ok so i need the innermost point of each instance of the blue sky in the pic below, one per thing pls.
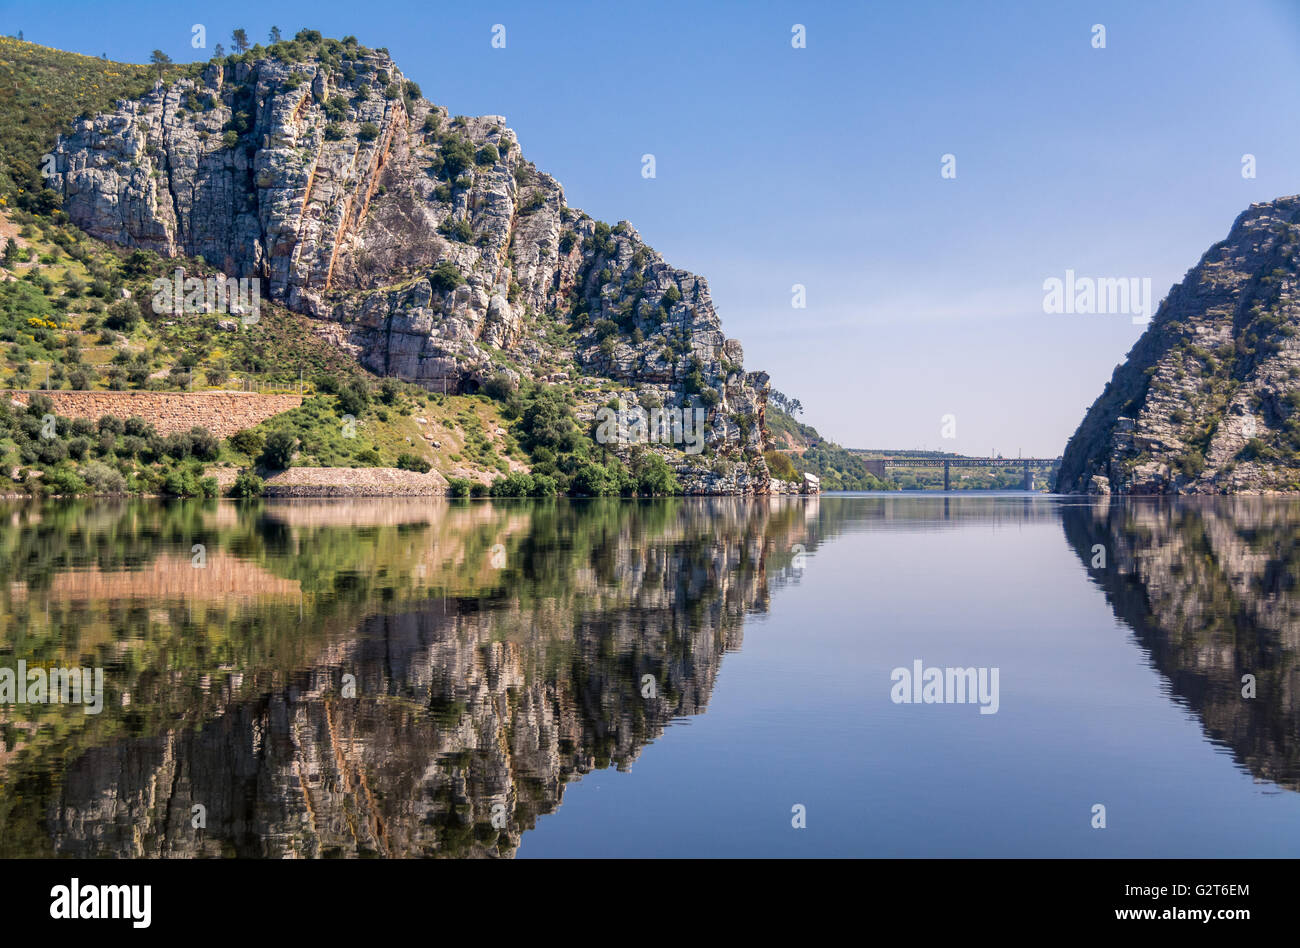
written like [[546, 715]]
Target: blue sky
[[821, 166]]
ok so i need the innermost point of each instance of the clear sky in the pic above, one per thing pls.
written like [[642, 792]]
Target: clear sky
[[821, 166]]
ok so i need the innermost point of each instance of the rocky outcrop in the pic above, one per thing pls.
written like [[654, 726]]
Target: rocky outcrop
[[436, 251], [1208, 400]]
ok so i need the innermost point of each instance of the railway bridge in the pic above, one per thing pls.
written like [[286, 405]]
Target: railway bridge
[[877, 466]]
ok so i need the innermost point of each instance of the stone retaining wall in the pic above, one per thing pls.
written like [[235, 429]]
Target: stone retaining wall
[[222, 413], [354, 482]]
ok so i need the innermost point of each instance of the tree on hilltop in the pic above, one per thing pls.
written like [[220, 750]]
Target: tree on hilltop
[[160, 60]]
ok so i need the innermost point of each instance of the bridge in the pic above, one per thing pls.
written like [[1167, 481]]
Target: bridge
[[877, 466]]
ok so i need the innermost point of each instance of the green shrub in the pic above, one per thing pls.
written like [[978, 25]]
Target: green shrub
[[1192, 463], [413, 462], [1252, 449], [591, 480], [515, 484], [247, 442], [500, 386], [780, 465], [64, 480], [368, 132], [390, 389], [457, 155], [277, 454], [652, 476], [122, 316], [458, 487], [247, 484], [445, 277], [103, 479], [544, 486], [353, 399], [457, 230], [336, 108], [187, 482], [204, 445]]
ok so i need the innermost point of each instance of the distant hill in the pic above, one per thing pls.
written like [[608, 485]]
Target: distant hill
[[803, 448], [806, 451]]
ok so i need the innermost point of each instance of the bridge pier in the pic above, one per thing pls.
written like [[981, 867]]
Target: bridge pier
[[1029, 481], [946, 480]]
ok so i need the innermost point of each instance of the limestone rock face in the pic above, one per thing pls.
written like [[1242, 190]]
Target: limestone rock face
[[441, 254], [1208, 400]]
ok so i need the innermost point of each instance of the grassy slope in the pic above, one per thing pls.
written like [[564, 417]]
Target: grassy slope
[[63, 277], [458, 437], [42, 89]]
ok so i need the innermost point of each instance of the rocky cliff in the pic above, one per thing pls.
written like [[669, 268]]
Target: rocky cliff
[[1208, 400], [424, 243]]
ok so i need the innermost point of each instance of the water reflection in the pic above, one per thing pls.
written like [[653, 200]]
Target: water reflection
[[401, 678], [495, 652], [1209, 588]]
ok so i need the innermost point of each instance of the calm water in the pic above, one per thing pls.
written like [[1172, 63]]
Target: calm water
[[666, 678]]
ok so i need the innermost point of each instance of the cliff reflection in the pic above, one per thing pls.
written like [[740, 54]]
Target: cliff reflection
[[1209, 588], [394, 678]]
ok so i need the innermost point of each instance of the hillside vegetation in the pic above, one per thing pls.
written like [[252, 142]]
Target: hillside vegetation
[[41, 91], [599, 317], [809, 453]]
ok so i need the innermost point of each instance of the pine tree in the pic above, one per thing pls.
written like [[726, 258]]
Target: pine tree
[[161, 60]]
